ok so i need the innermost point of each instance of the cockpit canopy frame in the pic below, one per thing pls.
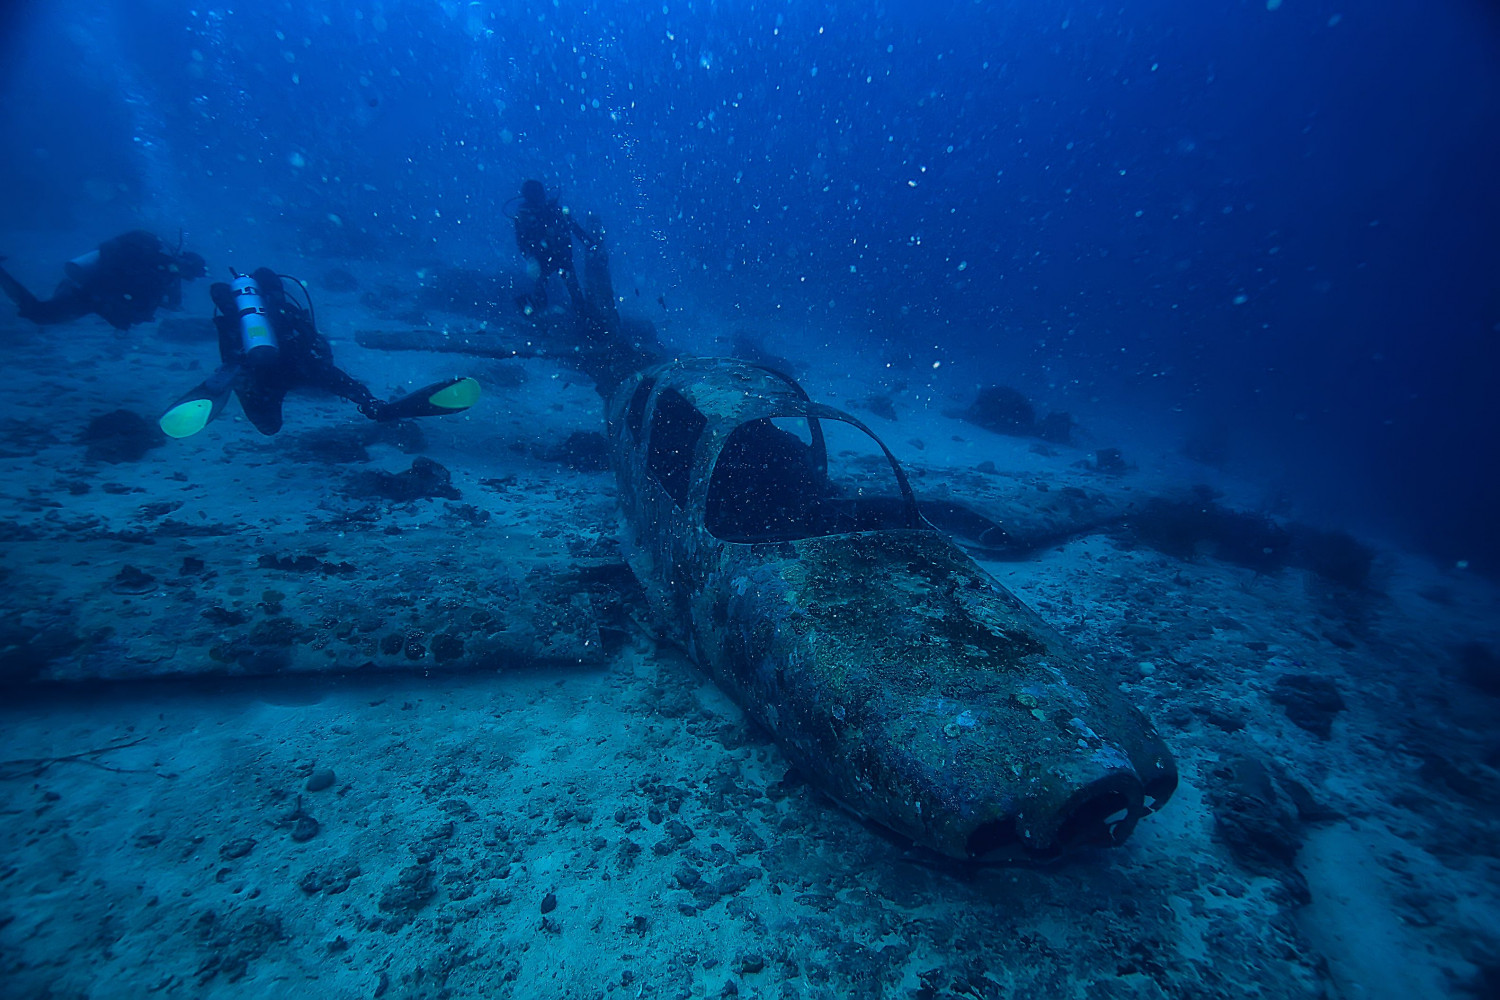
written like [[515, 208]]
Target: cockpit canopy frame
[[714, 448]]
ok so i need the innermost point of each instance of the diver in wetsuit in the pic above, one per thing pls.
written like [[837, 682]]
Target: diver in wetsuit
[[125, 281], [269, 345], [544, 234]]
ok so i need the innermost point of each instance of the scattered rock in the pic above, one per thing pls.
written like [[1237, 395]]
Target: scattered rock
[[402, 901], [1309, 809], [1310, 702], [305, 564], [1001, 409], [677, 834], [1230, 718], [425, 480], [237, 848], [348, 444], [467, 513], [458, 808], [304, 827], [131, 580], [1257, 823], [235, 940], [735, 878], [549, 903], [320, 779], [121, 436], [446, 647], [441, 831], [332, 881], [278, 632], [225, 617], [159, 508]]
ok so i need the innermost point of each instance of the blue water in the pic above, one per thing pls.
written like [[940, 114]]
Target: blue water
[[1267, 225], [1252, 243]]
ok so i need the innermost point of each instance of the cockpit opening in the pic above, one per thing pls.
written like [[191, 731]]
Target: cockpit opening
[[784, 478]]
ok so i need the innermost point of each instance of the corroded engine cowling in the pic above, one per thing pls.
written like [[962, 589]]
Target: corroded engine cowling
[[894, 671]]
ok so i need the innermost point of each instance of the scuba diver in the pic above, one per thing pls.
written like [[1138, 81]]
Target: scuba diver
[[544, 234], [268, 345], [125, 281]]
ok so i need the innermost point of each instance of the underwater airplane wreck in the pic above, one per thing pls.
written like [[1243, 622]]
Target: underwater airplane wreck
[[907, 683]]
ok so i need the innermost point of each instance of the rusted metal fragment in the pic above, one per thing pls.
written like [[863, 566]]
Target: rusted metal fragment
[[909, 684]]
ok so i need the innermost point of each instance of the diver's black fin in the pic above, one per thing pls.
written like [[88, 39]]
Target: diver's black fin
[[199, 405], [452, 395]]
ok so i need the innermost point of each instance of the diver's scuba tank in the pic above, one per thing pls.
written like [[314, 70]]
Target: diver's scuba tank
[[256, 336], [83, 267]]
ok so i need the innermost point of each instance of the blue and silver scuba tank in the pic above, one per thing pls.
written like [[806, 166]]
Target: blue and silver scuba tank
[[83, 267], [256, 336]]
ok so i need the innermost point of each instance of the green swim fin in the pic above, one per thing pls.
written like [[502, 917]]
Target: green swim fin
[[452, 395], [198, 406]]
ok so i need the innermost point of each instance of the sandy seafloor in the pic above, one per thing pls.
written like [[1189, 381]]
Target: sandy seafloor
[[538, 828]]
